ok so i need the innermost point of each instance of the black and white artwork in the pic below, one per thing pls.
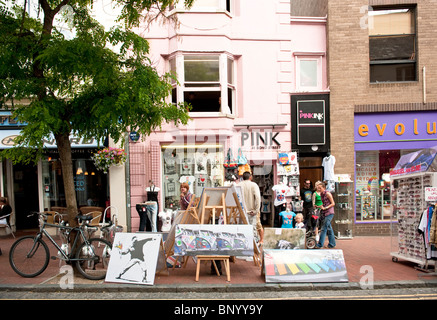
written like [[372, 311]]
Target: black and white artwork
[[134, 258], [210, 239]]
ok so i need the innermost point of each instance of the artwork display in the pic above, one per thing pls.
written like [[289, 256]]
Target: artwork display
[[304, 266], [134, 258], [219, 239], [284, 238]]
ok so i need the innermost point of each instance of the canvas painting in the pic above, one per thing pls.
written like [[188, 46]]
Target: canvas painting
[[210, 239], [284, 238], [134, 258], [304, 266]]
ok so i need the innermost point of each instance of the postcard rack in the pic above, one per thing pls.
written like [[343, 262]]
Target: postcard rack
[[408, 203]]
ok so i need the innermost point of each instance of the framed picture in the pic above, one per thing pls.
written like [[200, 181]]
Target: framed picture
[[210, 239], [284, 238], [304, 266]]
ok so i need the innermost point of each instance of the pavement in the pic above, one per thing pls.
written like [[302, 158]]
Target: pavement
[[367, 258]]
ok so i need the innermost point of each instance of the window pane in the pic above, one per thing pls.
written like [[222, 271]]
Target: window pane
[[389, 22], [174, 95], [308, 73], [400, 47], [202, 85], [393, 72], [230, 98], [173, 69], [230, 72], [202, 68], [203, 101]]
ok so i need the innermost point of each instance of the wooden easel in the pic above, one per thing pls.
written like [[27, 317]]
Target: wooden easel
[[208, 213], [236, 213], [188, 216], [214, 209], [200, 211]]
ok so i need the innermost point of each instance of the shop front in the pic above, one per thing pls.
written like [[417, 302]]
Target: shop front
[[40, 187], [381, 139], [196, 156]]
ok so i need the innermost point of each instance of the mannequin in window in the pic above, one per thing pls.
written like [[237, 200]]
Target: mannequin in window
[[148, 210]]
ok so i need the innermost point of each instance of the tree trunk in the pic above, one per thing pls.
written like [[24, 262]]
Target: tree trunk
[[64, 148]]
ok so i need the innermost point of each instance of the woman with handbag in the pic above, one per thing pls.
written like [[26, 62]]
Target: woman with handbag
[[326, 213]]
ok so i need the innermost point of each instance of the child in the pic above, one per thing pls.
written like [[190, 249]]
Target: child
[[299, 221], [287, 217]]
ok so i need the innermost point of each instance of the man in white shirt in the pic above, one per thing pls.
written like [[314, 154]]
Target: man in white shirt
[[252, 202]]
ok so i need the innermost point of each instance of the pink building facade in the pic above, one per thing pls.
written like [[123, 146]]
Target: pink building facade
[[239, 63]]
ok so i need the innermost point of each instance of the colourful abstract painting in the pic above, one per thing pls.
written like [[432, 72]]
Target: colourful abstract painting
[[304, 266], [229, 239]]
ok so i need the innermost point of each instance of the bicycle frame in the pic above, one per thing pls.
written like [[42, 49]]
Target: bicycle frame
[[66, 256]]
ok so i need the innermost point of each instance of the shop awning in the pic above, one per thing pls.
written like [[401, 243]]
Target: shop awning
[[7, 140]]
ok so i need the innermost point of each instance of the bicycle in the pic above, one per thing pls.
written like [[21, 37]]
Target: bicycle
[[29, 256]]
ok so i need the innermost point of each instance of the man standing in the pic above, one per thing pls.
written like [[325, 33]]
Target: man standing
[[306, 194], [252, 203]]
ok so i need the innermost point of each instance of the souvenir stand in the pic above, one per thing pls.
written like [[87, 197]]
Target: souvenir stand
[[413, 175], [344, 213], [288, 187]]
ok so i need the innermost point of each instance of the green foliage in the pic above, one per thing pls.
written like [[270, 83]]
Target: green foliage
[[80, 85]]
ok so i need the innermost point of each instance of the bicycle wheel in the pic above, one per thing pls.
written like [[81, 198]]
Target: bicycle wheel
[[29, 257], [93, 258]]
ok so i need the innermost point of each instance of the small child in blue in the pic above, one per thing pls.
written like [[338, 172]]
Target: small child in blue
[[287, 217]]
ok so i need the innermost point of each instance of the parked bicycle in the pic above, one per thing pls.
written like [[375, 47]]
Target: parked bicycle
[[29, 256]]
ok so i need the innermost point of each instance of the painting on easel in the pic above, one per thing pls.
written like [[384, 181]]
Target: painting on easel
[[219, 239]]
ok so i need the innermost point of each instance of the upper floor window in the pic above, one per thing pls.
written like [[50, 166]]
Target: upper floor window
[[308, 72], [392, 44], [206, 82]]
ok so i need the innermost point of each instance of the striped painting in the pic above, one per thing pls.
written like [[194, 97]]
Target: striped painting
[[304, 266]]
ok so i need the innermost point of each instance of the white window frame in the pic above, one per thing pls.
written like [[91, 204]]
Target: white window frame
[[222, 86], [318, 58]]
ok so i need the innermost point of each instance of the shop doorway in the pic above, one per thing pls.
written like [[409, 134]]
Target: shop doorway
[[310, 168], [25, 190], [263, 177]]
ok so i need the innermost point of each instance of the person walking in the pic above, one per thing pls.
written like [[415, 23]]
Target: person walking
[[252, 203], [326, 214]]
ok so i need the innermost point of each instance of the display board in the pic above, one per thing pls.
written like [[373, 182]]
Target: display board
[[304, 266], [283, 238], [218, 239], [134, 258]]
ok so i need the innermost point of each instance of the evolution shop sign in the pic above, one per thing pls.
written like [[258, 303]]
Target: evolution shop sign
[[396, 130]]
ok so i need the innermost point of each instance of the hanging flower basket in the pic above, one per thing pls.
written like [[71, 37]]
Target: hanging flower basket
[[107, 157]]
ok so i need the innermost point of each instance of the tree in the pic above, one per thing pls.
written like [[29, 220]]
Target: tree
[[80, 85]]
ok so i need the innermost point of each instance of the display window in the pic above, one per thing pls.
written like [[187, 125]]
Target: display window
[[91, 185], [372, 183], [200, 166]]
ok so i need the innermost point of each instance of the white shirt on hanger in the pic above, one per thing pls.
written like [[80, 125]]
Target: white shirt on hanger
[[328, 163]]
